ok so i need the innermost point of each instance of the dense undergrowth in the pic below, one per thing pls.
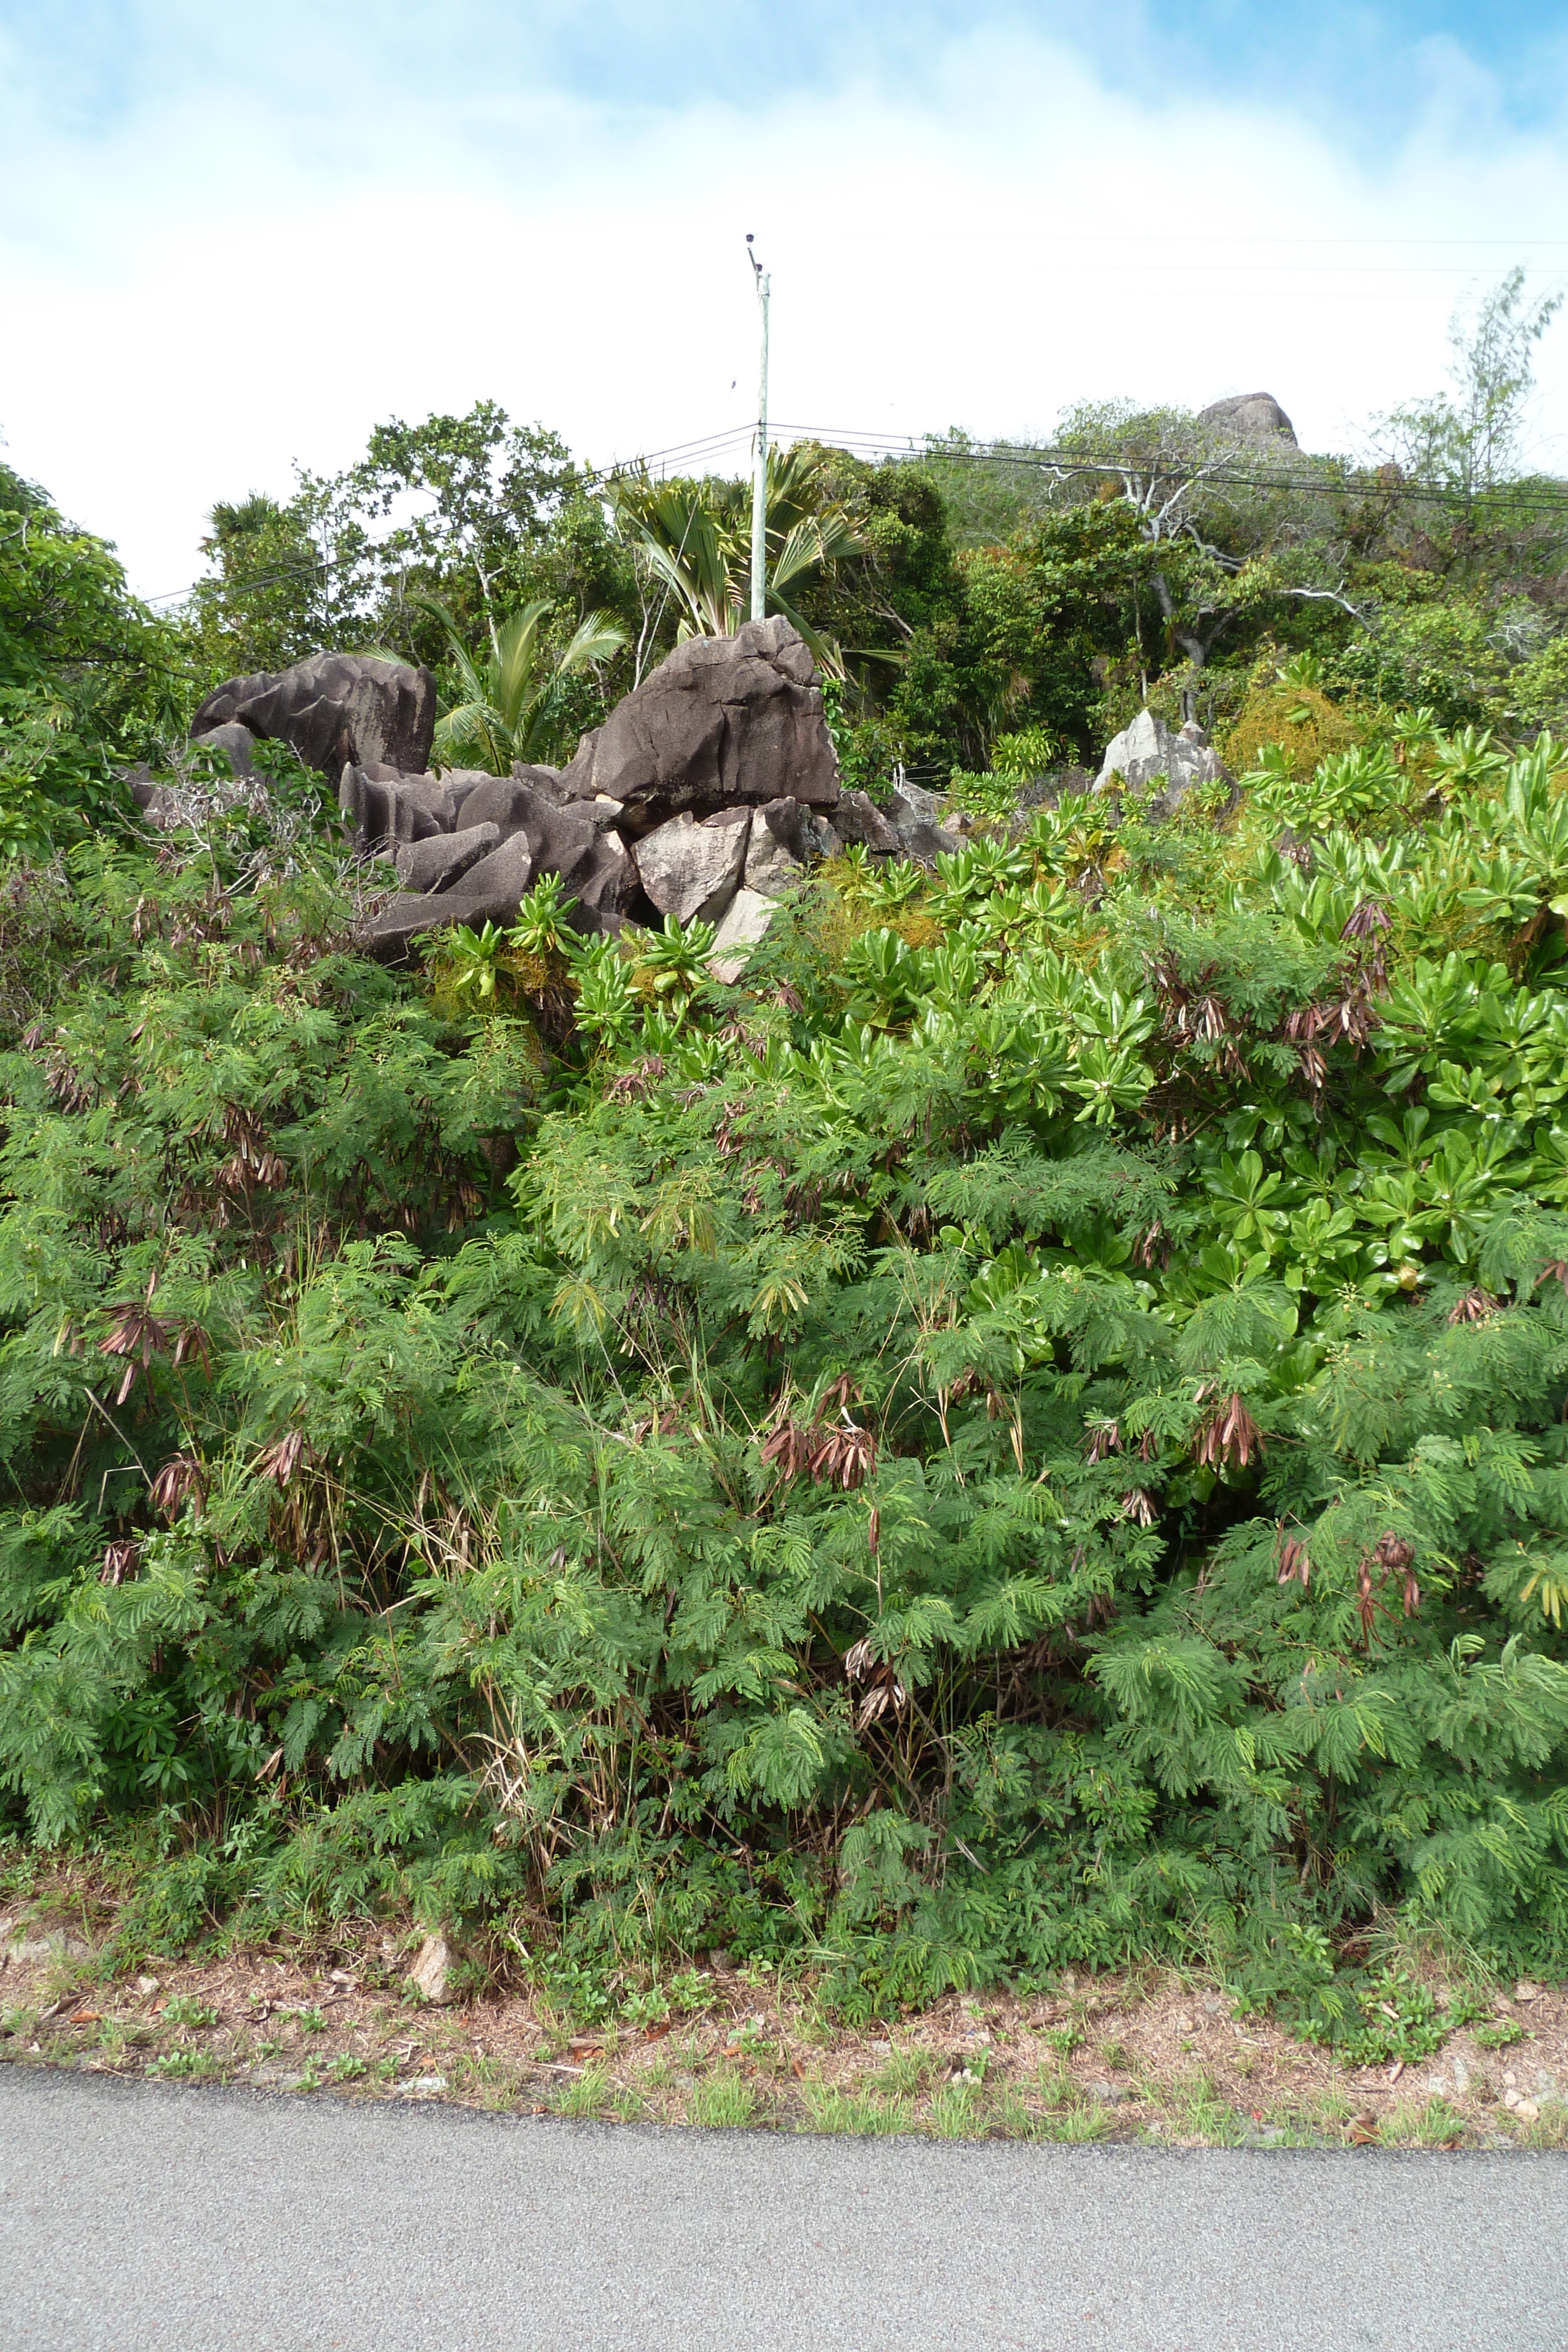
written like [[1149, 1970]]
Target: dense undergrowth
[[1031, 1432]]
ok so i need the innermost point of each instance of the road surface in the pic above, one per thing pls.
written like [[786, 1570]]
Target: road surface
[[149, 2217]]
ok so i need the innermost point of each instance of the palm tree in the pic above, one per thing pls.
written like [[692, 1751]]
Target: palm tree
[[695, 537], [507, 707]]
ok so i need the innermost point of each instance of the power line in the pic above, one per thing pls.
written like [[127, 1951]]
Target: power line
[[706, 445], [1361, 482]]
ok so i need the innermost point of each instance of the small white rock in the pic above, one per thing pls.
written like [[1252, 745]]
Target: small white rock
[[748, 917], [432, 1970]]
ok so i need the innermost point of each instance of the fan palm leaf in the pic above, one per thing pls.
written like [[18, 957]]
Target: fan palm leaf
[[696, 538], [507, 706]]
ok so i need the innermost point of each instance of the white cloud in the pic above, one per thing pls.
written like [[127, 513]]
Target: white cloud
[[217, 284]]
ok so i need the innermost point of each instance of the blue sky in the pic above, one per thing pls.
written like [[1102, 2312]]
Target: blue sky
[[233, 236], [96, 60]]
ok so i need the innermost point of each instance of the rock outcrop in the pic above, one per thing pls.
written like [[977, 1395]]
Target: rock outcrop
[[857, 818], [1148, 749], [748, 917], [331, 709], [714, 780], [1251, 416], [440, 861], [692, 867], [708, 793], [785, 837], [914, 817], [723, 721], [236, 743]]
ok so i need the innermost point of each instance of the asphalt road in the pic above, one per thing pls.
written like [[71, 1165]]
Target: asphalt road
[[144, 2217]]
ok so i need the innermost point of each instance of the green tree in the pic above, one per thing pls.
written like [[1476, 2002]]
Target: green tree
[[267, 599], [1470, 440], [456, 502], [87, 677], [1231, 539]]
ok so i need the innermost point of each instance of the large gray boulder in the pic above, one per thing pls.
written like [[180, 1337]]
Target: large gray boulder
[[691, 869], [712, 781], [787, 838], [1250, 416], [384, 808], [537, 838], [333, 709], [723, 721], [916, 816], [1149, 748], [804, 832], [858, 818], [490, 892], [236, 743], [605, 885]]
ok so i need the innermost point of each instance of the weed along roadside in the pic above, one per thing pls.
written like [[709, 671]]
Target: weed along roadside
[[771, 1389], [1151, 2058]]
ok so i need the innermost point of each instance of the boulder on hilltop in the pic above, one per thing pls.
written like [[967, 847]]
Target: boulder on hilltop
[[1250, 416]]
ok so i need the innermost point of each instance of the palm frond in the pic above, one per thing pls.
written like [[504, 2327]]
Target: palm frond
[[474, 687], [596, 636], [474, 735], [517, 684], [826, 652]]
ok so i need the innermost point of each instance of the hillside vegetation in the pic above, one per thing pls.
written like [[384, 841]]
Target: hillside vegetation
[[1028, 1432]]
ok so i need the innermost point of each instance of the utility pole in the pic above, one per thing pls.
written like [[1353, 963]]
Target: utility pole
[[760, 467]]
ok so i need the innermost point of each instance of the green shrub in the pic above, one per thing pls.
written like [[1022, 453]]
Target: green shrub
[[1033, 1439]]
